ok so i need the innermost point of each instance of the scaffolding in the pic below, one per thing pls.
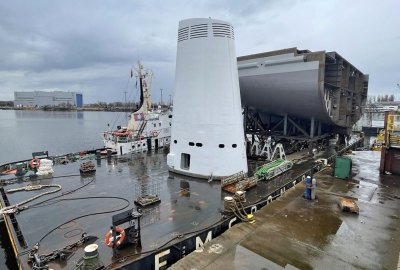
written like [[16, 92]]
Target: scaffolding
[[147, 192]]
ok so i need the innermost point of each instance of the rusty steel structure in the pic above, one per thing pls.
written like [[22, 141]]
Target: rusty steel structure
[[301, 95]]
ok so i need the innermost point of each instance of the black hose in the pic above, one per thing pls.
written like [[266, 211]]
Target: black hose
[[28, 179], [63, 194], [87, 215]]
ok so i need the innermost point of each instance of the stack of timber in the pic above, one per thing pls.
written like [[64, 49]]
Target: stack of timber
[[238, 182], [147, 200], [87, 167]]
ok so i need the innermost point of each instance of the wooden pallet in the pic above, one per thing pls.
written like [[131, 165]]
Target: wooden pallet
[[87, 167], [241, 185], [348, 205], [147, 200]]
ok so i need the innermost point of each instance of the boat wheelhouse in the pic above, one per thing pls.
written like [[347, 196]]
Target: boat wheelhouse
[[148, 128]]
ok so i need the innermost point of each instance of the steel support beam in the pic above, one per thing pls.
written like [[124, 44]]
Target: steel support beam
[[260, 123], [298, 127], [312, 128], [319, 128], [254, 120], [277, 124], [285, 125], [245, 111]]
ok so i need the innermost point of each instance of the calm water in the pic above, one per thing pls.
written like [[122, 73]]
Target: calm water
[[24, 132]]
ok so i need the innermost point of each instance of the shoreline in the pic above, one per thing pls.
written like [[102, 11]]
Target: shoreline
[[68, 110]]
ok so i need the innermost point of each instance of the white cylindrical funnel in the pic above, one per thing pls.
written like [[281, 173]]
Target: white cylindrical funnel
[[207, 138]]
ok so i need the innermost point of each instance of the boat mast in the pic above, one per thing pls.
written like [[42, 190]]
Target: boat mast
[[140, 84], [145, 79]]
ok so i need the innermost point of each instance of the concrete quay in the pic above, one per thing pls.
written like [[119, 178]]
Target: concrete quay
[[293, 233]]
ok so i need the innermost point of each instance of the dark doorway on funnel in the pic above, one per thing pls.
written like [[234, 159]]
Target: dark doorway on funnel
[[185, 161]]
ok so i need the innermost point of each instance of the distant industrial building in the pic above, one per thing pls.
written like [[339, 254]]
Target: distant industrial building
[[53, 99], [384, 106]]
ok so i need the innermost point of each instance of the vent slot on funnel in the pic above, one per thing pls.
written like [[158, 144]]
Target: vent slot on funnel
[[198, 31], [183, 34], [223, 30]]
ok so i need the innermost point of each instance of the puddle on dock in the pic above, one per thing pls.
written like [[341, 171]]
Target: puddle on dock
[[313, 235]]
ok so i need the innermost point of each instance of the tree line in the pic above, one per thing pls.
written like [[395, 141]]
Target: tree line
[[381, 98], [6, 103], [101, 104]]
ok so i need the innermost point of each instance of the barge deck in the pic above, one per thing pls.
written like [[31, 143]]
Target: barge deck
[[169, 230]]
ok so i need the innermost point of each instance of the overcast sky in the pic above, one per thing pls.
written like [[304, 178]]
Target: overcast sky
[[89, 46]]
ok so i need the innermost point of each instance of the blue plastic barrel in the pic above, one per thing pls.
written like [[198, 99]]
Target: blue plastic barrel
[[307, 193]]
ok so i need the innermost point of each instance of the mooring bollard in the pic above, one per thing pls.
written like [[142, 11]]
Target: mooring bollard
[[90, 259], [240, 196], [20, 169], [229, 204]]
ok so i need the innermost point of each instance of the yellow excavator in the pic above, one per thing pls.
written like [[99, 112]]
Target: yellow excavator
[[379, 142]]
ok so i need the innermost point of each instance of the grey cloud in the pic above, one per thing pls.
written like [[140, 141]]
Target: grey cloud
[[89, 46]]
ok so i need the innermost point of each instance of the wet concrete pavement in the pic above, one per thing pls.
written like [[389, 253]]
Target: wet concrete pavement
[[293, 233]]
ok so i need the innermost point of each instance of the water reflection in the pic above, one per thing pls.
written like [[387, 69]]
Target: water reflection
[[185, 188], [150, 214], [25, 114]]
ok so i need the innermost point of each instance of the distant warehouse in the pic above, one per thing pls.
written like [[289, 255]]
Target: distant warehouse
[[43, 99]]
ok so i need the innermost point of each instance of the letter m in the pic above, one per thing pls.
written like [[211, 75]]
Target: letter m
[[200, 244]]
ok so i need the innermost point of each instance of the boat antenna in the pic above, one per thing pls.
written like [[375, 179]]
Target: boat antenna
[[140, 84]]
